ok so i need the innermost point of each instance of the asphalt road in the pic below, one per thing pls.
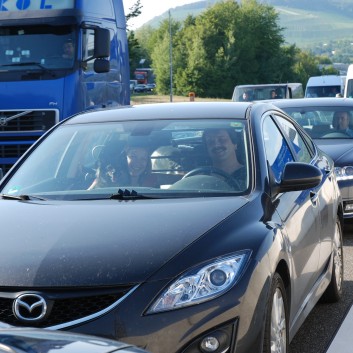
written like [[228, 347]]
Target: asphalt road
[[321, 325]]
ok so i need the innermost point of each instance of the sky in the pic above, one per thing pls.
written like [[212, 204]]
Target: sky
[[152, 8]]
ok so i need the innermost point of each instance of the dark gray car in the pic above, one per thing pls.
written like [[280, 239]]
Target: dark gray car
[[321, 118], [177, 227]]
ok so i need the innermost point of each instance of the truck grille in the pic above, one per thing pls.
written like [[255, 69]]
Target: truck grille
[[19, 129], [30, 120]]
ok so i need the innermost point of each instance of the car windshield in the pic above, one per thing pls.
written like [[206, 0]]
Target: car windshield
[[332, 122], [135, 159]]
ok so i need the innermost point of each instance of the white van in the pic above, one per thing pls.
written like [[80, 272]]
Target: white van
[[325, 86], [348, 91]]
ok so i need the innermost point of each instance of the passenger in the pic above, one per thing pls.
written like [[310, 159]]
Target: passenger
[[273, 94], [134, 169], [341, 122], [139, 167], [333, 92], [222, 148], [246, 97]]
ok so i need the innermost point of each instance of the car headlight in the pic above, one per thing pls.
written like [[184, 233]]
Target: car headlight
[[344, 173], [202, 283]]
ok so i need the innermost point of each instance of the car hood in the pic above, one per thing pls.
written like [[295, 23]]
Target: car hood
[[109, 242], [339, 150]]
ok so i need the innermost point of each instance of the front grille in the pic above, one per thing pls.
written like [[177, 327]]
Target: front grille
[[19, 129], [30, 120], [5, 167], [65, 307]]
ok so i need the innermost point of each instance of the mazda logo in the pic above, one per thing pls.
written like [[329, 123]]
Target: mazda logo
[[30, 307]]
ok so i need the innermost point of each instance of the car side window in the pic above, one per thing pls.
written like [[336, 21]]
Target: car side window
[[301, 150], [277, 150]]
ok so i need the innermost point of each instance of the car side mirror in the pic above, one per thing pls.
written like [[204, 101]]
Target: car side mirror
[[298, 176]]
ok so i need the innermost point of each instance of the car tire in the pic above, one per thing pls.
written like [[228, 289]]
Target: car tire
[[276, 338], [333, 292]]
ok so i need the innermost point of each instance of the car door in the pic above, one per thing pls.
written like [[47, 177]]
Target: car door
[[327, 203], [305, 151], [299, 213]]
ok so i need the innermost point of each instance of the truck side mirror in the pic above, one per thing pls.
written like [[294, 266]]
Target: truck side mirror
[[101, 65], [101, 43]]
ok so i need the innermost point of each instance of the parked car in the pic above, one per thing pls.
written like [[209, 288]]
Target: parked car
[[140, 88], [32, 340], [151, 86], [319, 117], [229, 252]]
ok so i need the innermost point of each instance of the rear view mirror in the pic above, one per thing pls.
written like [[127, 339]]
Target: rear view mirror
[[101, 43], [101, 65]]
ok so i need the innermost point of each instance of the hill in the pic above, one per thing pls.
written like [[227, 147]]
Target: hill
[[306, 23]]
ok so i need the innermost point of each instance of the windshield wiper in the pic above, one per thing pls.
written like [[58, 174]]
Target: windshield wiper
[[21, 197], [43, 68], [131, 195]]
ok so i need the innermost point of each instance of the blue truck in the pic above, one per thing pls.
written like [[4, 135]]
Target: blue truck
[[57, 58]]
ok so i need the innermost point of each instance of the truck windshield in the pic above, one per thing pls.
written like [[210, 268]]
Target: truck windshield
[[33, 48]]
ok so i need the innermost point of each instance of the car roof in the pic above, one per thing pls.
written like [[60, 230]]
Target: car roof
[[324, 80], [268, 85], [312, 102], [182, 110]]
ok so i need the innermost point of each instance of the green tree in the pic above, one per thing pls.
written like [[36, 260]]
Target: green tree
[[259, 41], [306, 65], [222, 47], [230, 43], [134, 11], [133, 44], [205, 53], [159, 44]]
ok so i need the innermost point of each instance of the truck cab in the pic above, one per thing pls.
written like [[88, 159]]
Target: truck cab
[[57, 58]]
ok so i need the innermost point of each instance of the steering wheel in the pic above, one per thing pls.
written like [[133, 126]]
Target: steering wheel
[[212, 170]]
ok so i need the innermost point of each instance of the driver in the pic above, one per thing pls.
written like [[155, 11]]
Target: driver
[[222, 148], [341, 122], [68, 49]]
